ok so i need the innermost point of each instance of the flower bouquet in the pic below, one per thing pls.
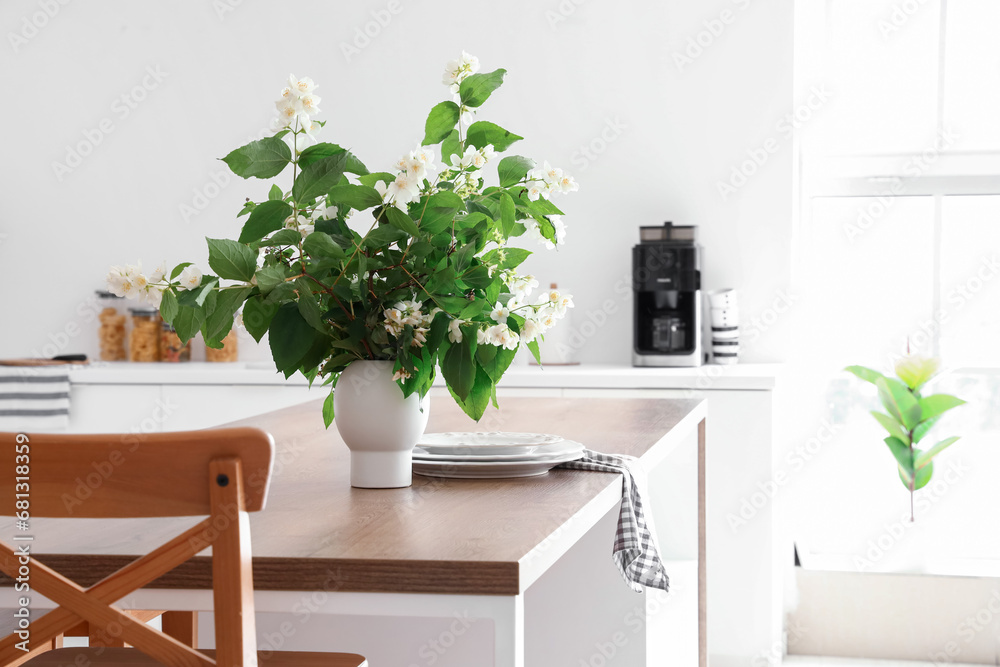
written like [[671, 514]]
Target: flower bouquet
[[414, 265]]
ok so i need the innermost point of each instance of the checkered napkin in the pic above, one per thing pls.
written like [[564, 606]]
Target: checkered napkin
[[635, 551]]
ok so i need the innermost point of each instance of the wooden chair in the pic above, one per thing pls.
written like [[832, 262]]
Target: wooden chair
[[156, 475]]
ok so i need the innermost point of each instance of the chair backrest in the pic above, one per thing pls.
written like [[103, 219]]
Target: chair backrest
[[223, 473], [130, 475]]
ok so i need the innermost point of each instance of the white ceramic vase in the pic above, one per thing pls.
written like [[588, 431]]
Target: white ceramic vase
[[379, 426]]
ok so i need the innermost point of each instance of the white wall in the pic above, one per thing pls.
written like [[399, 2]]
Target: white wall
[[573, 69]]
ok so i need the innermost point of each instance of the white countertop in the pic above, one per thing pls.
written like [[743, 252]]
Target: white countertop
[[584, 376]]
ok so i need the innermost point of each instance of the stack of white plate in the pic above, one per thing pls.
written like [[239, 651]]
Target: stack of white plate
[[491, 455]]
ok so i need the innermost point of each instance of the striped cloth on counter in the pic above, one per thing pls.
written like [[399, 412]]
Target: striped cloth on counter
[[34, 398]]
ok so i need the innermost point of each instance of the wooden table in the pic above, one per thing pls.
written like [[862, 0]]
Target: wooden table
[[523, 565]]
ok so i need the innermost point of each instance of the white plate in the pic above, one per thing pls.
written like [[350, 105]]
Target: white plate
[[539, 453], [493, 442], [490, 470]]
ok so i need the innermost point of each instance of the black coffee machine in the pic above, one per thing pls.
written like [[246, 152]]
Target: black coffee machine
[[666, 280]]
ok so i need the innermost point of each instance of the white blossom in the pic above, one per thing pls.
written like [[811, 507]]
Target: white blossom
[[158, 273], [456, 71], [531, 329], [419, 337], [303, 86], [500, 314], [455, 330], [190, 277], [482, 337], [501, 335]]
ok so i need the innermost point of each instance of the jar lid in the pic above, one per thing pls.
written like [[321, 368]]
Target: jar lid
[[146, 311], [166, 326], [104, 294]]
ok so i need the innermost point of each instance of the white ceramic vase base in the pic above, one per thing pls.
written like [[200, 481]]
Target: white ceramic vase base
[[379, 426], [381, 470]]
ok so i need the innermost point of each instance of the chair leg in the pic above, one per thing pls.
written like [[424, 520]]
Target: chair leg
[[182, 626]]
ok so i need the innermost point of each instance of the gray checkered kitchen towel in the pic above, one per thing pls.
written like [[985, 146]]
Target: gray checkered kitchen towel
[[635, 551]]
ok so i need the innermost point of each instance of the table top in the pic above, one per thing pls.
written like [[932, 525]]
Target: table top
[[437, 536]]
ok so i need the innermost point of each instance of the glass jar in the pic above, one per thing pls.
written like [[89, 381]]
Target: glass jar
[[228, 352], [171, 349], [144, 341], [111, 330]]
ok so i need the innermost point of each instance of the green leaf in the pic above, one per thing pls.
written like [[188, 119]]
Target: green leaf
[[318, 178], [477, 88], [922, 477], [894, 428], [282, 237], [266, 218], [188, 321], [328, 410], [220, 321], [371, 179], [195, 298], [168, 305], [265, 158], [290, 337], [898, 401], [477, 276], [270, 277], [310, 312], [358, 197], [923, 427], [513, 168], [483, 132], [275, 193], [438, 212], [866, 374], [257, 316], [463, 258], [459, 368], [916, 370], [450, 146], [231, 260], [320, 244], [319, 151], [495, 360], [479, 396], [925, 457], [380, 237], [937, 404], [902, 454], [507, 215], [178, 269], [440, 122], [535, 352], [401, 221]]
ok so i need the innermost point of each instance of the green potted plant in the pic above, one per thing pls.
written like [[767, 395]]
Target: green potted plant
[[909, 416], [374, 280]]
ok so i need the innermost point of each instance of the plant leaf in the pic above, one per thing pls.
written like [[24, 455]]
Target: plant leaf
[[328, 410], [512, 169], [257, 315], [357, 197], [477, 88], [898, 401], [922, 477], [266, 218], [231, 260], [319, 151], [319, 177], [459, 368], [290, 337], [916, 370], [220, 320], [401, 221], [264, 158], [937, 404], [483, 132], [902, 454], [440, 122], [866, 374], [925, 457], [282, 237], [168, 305], [320, 244], [894, 428]]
